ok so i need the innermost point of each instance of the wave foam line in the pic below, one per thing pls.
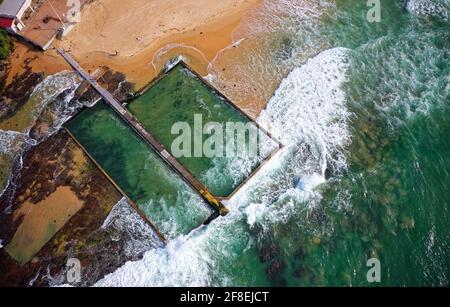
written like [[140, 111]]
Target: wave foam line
[[309, 114], [436, 8]]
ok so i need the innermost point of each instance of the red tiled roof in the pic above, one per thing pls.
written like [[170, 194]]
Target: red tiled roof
[[6, 23]]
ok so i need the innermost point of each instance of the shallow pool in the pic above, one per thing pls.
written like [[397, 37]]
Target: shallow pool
[[170, 203], [178, 97]]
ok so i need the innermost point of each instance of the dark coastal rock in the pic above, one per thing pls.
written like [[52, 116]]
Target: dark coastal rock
[[328, 173], [267, 253], [51, 164], [46, 167], [275, 273], [115, 83], [16, 94]]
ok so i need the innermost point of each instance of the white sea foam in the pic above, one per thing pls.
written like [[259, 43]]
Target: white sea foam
[[254, 213], [309, 115], [178, 264], [12, 141], [436, 8], [123, 219], [309, 182], [62, 110], [12, 146], [421, 82], [309, 107], [48, 90]]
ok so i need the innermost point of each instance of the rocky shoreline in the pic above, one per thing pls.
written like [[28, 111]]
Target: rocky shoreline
[[55, 166]]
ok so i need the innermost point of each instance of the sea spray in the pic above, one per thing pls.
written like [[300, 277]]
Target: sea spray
[[46, 95], [123, 221], [309, 107], [210, 255], [436, 8], [273, 38], [12, 146]]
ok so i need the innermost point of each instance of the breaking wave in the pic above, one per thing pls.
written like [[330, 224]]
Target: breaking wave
[[322, 120], [315, 137], [123, 219], [53, 96], [308, 114], [12, 141], [12, 146], [436, 8], [56, 91]]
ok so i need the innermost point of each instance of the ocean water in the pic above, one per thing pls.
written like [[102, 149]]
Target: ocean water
[[363, 112], [12, 145]]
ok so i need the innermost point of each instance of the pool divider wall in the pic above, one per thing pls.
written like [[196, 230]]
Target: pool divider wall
[[212, 200], [159, 149], [226, 100], [130, 201]]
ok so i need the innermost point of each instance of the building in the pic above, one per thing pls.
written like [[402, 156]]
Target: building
[[39, 23], [11, 13]]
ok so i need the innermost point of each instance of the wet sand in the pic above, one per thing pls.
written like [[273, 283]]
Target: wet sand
[[250, 72]]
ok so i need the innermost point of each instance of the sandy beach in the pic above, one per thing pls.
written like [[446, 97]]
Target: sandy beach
[[112, 33]]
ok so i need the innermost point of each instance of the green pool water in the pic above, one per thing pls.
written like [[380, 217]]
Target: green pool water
[[159, 192], [177, 97]]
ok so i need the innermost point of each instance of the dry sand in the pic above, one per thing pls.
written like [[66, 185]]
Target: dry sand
[[137, 36]]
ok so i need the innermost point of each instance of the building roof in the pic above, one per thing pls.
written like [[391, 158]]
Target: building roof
[[11, 8], [6, 23]]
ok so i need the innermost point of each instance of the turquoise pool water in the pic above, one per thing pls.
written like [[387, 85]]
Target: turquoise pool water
[[159, 192], [179, 96]]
